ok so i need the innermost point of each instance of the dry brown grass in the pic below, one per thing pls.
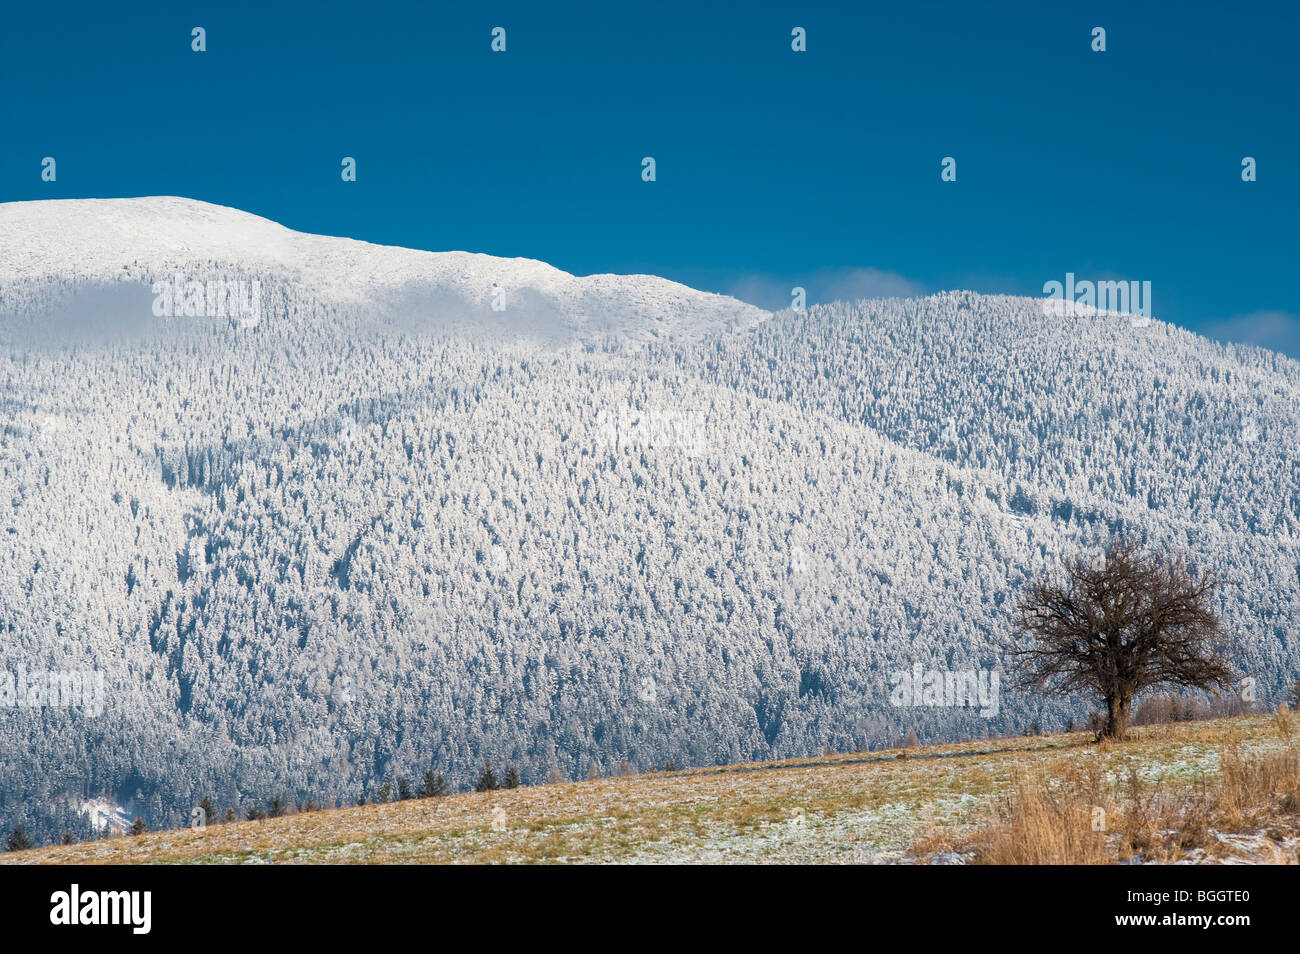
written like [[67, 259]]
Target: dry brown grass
[[1283, 720], [1037, 825], [1064, 814], [1266, 785]]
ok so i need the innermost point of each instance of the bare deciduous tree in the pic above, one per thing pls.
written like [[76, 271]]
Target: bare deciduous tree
[[1116, 626]]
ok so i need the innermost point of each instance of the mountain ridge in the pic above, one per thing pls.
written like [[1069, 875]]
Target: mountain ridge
[[103, 240]]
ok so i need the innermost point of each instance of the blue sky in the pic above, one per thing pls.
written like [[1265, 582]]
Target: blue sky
[[774, 168]]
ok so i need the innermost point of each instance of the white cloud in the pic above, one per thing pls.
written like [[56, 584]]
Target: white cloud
[[825, 285], [1272, 329]]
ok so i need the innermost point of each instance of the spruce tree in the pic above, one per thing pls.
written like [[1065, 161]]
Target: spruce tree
[[19, 840], [434, 784], [487, 782]]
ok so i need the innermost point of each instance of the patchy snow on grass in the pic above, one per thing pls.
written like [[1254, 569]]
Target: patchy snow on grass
[[863, 808]]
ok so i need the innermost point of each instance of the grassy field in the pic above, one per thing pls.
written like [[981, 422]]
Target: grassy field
[[935, 804]]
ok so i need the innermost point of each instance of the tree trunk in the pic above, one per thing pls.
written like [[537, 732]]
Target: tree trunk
[[1117, 711]]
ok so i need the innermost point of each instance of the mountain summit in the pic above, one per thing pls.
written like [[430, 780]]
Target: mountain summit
[[96, 241]]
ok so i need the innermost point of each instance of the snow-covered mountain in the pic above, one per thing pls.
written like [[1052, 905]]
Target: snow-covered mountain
[[344, 546], [111, 241]]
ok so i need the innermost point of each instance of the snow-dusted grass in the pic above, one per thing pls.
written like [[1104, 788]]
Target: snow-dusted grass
[[867, 807], [1237, 803]]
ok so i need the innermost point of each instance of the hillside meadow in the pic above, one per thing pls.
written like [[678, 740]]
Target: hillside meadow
[[942, 804]]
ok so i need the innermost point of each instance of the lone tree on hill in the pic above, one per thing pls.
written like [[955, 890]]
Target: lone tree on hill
[[1116, 626]]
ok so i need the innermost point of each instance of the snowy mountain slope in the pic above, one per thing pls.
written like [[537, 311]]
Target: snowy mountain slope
[[88, 241], [310, 560]]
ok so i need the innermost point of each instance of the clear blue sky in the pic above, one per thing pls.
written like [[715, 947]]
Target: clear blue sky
[[775, 168]]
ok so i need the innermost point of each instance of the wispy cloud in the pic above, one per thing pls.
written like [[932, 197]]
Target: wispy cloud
[[1272, 329], [825, 285]]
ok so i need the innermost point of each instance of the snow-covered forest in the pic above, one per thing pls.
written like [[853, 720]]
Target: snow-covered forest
[[349, 544]]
